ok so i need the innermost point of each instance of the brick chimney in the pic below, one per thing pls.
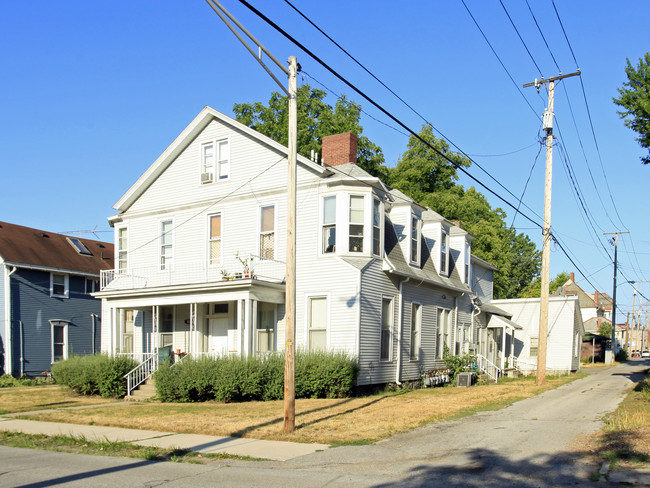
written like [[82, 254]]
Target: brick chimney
[[596, 298], [339, 149], [573, 277]]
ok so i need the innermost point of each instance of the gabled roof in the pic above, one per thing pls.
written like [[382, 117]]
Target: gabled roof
[[190, 132], [36, 248]]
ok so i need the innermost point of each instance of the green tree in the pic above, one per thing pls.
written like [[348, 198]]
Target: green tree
[[534, 290], [427, 177], [316, 119], [635, 100], [605, 329]]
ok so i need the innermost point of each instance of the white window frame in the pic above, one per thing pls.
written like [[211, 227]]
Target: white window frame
[[261, 233], [323, 225], [418, 237], [273, 329], [468, 264], [379, 228], [66, 285], [443, 331], [308, 327], [391, 326], [415, 336], [119, 251], [216, 168], [364, 233], [91, 285], [163, 266], [208, 239], [530, 346], [161, 320], [444, 256], [64, 325]]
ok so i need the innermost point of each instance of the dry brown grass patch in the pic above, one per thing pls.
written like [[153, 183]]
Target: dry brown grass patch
[[13, 400], [331, 421]]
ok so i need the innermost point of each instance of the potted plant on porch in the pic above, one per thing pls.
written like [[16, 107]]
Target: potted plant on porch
[[246, 263]]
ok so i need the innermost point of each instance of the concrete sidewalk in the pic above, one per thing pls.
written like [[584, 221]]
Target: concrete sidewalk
[[207, 444]]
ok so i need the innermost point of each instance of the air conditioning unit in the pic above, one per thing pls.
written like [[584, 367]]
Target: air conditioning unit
[[464, 379], [206, 177]]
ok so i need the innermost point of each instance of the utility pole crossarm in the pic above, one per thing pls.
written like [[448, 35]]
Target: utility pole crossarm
[[552, 78]]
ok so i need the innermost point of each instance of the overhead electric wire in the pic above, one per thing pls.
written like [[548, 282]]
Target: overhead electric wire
[[591, 125], [530, 174], [499, 59], [521, 38], [410, 107], [543, 37], [379, 107]]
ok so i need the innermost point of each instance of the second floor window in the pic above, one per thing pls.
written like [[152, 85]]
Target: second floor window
[[329, 224], [215, 161], [376, 227], [214, 239], [59, 285], [468, 268], [356, 223], [415, 240], [267, 232], [122, 248], [444, 247], [166, 244]]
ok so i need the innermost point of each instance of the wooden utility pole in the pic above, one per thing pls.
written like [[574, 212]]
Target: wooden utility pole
[[614, 292], [292, 156], [290, 295], [546, 231]]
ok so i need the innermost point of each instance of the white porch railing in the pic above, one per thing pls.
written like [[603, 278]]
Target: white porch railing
[[193, 272], [525, 367], [141, 372], [488, 367]]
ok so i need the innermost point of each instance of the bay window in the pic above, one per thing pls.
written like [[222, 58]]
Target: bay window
[[376, 227], [356, 223], [329, 225]]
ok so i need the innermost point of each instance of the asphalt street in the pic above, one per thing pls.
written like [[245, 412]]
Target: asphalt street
[[529, 443]]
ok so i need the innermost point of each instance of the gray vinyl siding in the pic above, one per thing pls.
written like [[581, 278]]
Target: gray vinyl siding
[[482, 282], [32, 305], [376, 285]]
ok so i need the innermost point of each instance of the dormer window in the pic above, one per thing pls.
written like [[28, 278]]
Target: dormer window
[[468, 253], [444, 252], [415, 240], [376, 227]]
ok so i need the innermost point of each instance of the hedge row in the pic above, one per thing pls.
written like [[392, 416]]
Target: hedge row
[[94, 375], [230, 379]]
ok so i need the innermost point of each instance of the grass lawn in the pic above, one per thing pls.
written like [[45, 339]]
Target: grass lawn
[[625, 439], [330, 421], [13, 400]]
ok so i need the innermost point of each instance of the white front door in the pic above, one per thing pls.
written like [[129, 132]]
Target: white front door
[[219, 336]]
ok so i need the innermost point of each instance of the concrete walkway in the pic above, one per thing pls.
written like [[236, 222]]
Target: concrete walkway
[[207, 444]]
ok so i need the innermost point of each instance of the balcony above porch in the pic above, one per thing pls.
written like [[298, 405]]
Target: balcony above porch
[[194, 272]]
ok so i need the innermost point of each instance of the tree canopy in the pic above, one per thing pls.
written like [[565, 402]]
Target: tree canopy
[[316, 119], [534, 290], [635, 100]]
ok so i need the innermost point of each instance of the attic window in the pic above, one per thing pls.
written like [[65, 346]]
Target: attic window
[[79, 246]]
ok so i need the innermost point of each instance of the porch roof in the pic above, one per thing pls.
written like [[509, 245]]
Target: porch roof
[[497, 321]]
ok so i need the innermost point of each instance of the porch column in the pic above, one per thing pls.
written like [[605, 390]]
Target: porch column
[[254, 326], [155, 312], [193, 332], [113, 331], [240, 328], [247, 327], [512, 346], [503, 348]]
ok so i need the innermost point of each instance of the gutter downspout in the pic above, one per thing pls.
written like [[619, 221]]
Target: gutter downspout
[[8, 346], [400, 319], [93, 319]]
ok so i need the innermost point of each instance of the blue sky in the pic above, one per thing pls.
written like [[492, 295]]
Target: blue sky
[[92, 93]]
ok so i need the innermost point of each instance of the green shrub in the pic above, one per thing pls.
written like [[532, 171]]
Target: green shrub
[[622, 355], [94, 375], [7, 381], [233, 379], [458, 364]]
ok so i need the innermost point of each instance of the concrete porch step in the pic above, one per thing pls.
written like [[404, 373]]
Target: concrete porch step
[[143, 392]]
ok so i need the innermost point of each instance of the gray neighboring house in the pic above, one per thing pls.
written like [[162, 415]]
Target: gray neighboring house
[[200, 249], [47, 311]]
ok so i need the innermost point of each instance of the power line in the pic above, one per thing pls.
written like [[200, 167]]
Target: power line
[[541, 33], [521, 38]]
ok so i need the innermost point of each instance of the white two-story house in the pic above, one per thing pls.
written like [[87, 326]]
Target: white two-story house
[[200, 251]]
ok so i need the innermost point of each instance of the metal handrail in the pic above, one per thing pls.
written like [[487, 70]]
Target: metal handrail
[[524, 366], [141, 372], [488, 367]]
